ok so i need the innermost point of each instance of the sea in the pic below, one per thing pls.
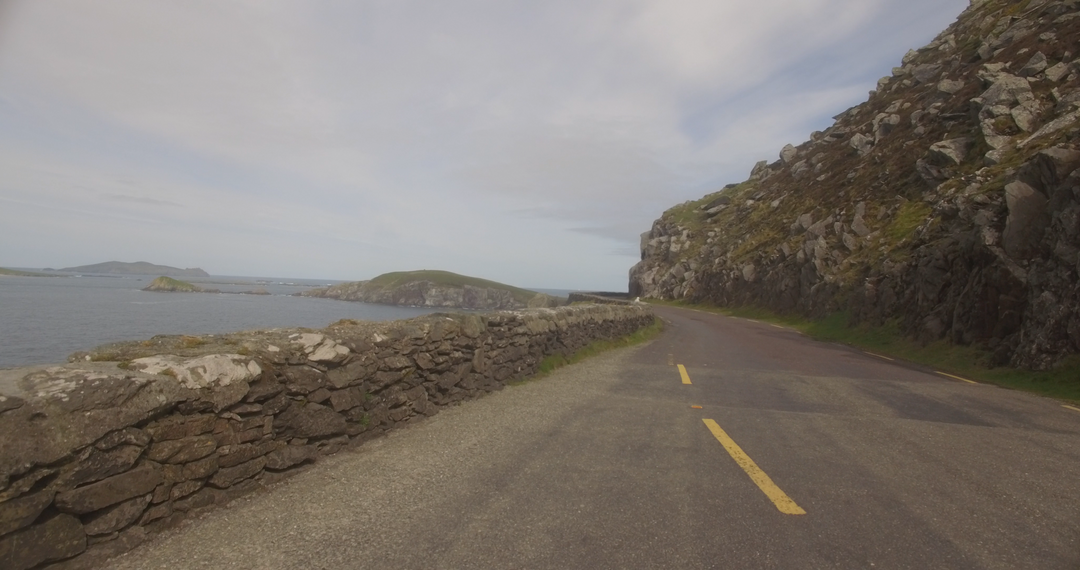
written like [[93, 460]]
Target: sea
[[45, 319]]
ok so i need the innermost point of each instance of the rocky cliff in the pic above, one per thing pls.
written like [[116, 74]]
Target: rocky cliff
[[436, 289], [948, 202]]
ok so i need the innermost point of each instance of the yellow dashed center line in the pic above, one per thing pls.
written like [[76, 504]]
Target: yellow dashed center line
[[958, 378], [685, 376], [783, 502], [1073, 408], [878, 356]]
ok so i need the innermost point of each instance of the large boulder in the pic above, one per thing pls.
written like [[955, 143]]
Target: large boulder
[[951, 152], [56, 539], [788, 153]]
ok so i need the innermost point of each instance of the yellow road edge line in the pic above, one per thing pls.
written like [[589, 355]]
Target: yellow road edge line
[[878, 355], [1073, 408], [957, 377], [685, 376], [778, 497]]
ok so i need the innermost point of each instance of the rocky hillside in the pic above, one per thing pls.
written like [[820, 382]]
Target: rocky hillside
[[435, 289], [948, 202]]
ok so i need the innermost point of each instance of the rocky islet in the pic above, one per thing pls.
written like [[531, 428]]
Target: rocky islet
[[165, 284]]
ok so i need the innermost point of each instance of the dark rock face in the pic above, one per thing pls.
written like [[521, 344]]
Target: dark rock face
[[949, 202], [117, 517], [289, 456], [97, 454], [313, 420], [20, 512], [56, 539], [105, 493], [1026, 221]]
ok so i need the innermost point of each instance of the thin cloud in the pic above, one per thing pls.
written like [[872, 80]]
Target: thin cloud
[[516, 140], [141, 200]]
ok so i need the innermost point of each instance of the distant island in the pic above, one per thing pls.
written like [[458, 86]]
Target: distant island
[[17, 273], [169, 285], [137, 268], [431, 288], [165, 284]]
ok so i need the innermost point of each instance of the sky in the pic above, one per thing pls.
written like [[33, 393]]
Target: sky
[[526, 142]]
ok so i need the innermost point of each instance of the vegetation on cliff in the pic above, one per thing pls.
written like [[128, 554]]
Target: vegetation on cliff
[[432, 288], [947, 205]]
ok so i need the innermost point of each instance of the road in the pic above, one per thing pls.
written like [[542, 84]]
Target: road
[[612, 463]]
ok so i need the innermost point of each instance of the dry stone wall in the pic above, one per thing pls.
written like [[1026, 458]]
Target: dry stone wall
[[130, 438], [602, 298]]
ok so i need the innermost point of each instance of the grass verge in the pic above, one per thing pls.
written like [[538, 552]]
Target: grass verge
[[1062, 382], [556, 361]]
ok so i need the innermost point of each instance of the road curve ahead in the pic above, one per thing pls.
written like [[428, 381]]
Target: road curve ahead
[[725, 443]]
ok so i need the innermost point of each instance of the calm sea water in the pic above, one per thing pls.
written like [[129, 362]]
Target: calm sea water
[[44, 319]]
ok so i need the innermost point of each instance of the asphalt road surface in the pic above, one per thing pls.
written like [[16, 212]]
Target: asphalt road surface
[[800, 455]]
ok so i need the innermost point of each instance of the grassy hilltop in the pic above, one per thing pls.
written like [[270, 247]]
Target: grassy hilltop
[[397, 279], [434, 288]]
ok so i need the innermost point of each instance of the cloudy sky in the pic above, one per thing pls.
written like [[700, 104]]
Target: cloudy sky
[[529, 142]]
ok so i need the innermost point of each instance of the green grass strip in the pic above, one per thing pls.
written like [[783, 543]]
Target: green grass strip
[[1063, 382]]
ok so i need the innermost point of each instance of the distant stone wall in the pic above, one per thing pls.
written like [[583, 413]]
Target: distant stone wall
[[131, 438], [601, 298]]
